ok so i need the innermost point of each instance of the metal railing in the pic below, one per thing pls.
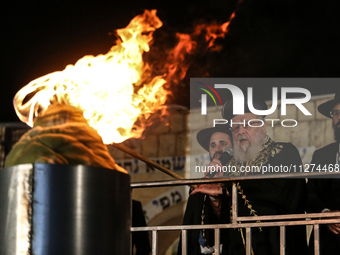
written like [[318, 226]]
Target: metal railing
[[281, 221]]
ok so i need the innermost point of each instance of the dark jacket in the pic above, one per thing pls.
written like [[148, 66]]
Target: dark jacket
[[273, 197], [325, 193], [192, 216], [266, 197], [140, 239]]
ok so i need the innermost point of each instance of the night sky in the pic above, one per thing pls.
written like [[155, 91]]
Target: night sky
[[266, 39]]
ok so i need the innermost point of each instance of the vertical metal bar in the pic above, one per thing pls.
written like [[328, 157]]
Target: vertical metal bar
[[217, 241], [282, 240], [316, 240], [184, 242], [154, 242], [234, 203], [248, 241]]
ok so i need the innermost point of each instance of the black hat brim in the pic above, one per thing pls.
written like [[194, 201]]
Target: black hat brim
[[203, 136], [326, 108]]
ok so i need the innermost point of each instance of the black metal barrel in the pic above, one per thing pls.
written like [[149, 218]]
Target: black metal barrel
[[64, 209]]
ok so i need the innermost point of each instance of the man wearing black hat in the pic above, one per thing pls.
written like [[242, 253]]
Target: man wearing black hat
[[252, 147], [215, 140], [324, 194], [201, 208]]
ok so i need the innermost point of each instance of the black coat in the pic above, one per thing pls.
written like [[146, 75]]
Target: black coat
[[325, 193], [273, 197], [267, 197], [193, 215], [140, 239]]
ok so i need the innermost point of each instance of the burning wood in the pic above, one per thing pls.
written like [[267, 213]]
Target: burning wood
[[62, 136]]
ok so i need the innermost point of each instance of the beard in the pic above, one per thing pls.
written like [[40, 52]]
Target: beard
[[217, 154], [336, 129], [249, 151]]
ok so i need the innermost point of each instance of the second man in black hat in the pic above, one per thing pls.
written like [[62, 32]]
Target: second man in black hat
[[324, 194]]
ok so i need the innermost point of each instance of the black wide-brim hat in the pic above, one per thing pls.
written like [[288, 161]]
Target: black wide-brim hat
[[326, 108], [203, 136], [227, 109]]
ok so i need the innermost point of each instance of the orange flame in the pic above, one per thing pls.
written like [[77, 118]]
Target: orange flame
[[103, 87], [189, 45]]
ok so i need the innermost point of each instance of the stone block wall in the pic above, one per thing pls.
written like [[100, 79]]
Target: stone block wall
[[314, 130], [165, 142], [310, 133], [10, 133]]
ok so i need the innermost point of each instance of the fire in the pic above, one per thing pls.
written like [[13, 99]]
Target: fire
[[201, 40], [108, 88]]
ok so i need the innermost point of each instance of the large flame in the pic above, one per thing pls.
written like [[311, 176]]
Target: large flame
[[103, 87]]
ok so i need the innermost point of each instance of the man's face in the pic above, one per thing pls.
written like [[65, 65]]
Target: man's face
[[218, 142], [248, 140], [336, 122]]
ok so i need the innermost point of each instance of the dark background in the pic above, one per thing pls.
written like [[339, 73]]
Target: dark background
[[265, 39]]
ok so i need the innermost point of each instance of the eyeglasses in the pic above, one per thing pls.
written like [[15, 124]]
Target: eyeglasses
[[236, 128], [334, 113]]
